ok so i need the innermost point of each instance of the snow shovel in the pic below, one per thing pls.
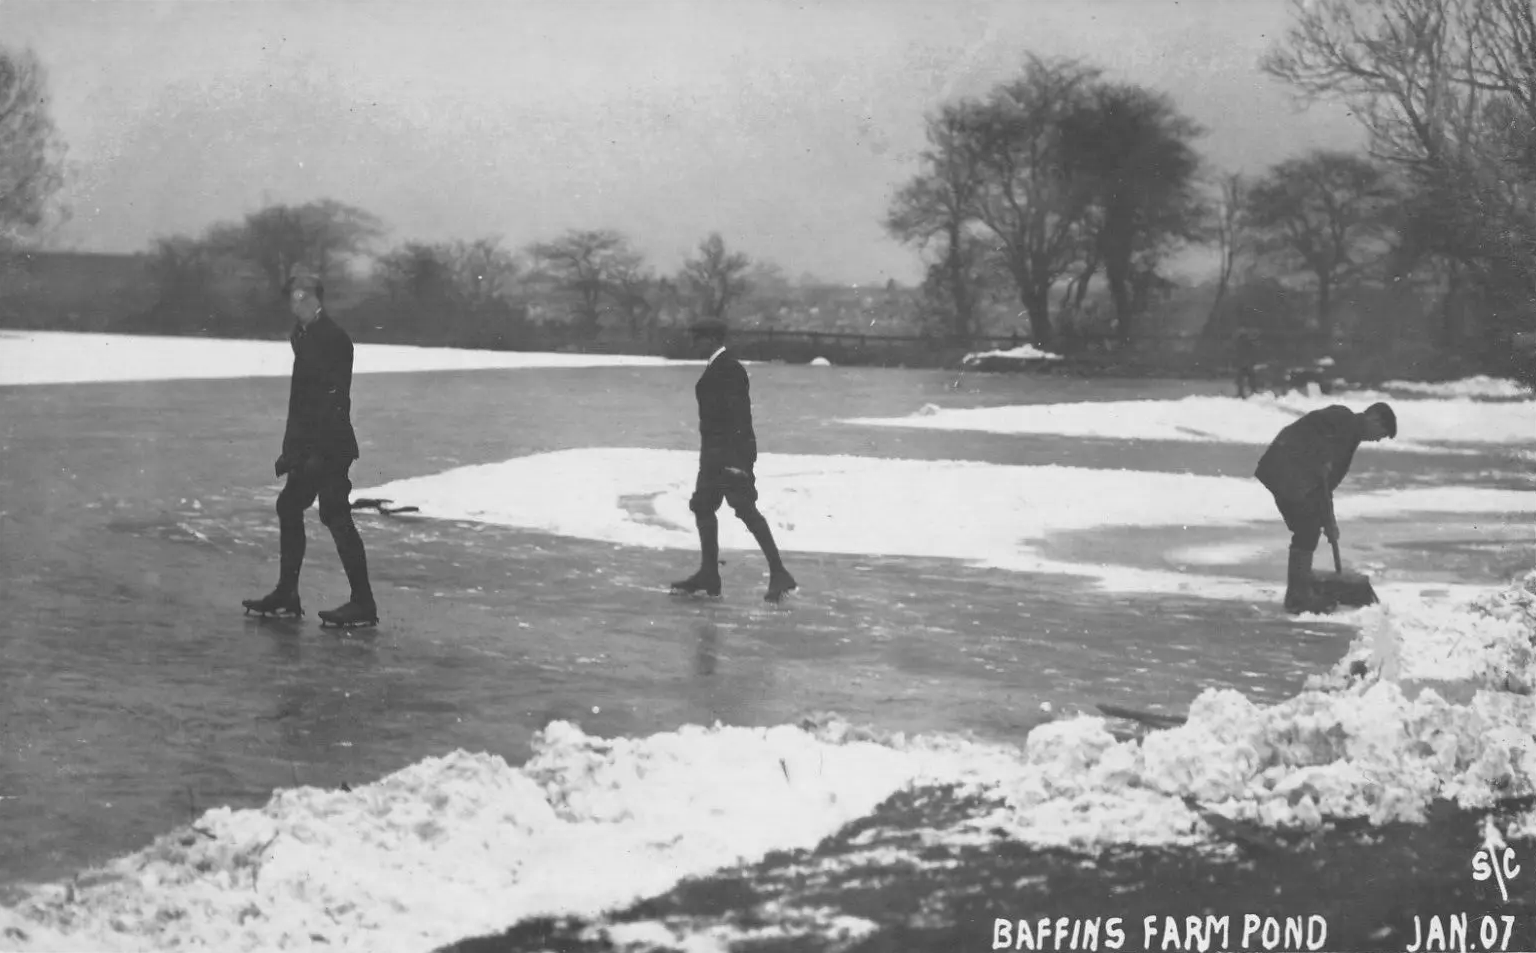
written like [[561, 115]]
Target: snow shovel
[[1344, 588]]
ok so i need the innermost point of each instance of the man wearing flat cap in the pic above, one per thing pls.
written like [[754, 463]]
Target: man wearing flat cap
[[319, 447], [727, 453]]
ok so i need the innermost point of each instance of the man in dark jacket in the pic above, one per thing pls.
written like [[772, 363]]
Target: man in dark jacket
[[727, 453], [319, 446], [1302, 467]]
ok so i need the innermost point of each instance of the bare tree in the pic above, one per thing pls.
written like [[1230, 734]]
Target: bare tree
[[633, 288], [31, 154], [279, 238], [1135, 152], [937, 210], [1029, 199], [482, 271], [1325, 213], [716, 277], [1445, 90], [583, 263], [1232, 241]]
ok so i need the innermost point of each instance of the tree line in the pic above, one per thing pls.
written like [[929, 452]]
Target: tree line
[[466, 291], [1058, 177]]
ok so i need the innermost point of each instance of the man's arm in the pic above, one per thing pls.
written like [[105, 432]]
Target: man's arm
[[1330, 521], [337, 378]]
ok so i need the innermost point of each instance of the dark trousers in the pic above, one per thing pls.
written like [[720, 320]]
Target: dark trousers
[[1305, 517], [329, 483], [714, 486]]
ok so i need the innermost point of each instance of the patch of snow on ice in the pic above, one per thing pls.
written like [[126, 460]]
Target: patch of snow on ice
[[1422, 424], [1024, 352], [980, 512], [1480, 386]]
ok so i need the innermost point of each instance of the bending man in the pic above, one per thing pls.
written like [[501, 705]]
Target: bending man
[[1302, 467]]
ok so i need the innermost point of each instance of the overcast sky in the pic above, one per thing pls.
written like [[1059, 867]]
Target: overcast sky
[[786, 126]]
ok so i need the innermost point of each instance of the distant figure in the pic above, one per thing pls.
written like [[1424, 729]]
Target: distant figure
[[319, 446], [1302, 468], [1245, 356], [727, 453]]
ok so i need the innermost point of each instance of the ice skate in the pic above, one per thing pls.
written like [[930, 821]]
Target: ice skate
[[780, 582], [702, 581], [283, 605], [353, 615]]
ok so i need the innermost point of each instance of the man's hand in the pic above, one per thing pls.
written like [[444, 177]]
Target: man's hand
[[282, 466]]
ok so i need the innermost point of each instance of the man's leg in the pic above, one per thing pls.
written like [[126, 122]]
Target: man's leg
[[1304, 518], [336, 513], [742, 495], [705, 503], [297, 495]]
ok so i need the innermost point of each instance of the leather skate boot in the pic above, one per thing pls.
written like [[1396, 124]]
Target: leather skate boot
[[284, 600], [278, 602], [1300, 595], [360, 609], [707, 579], [779, 579]]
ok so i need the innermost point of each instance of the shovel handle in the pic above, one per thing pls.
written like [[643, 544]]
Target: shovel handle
[[1338, 564]]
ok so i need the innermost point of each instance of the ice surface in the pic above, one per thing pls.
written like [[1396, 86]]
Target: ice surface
[[1421, 423], [58, 357], [985, 513]]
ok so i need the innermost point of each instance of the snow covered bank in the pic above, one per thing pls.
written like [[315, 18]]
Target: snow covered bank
[[1495, 388], [1422, 424], [466, 844], [57, 357], [1433, 701], [980, 512]]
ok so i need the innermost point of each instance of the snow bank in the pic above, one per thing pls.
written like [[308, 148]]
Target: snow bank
[[1432, 701], [980, 512], [1421, 424], [1496, 388], [57, 357], [466, 844], [1024, 352], [820, 362]]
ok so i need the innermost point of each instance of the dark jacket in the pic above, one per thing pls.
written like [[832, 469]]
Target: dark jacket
[[320, 395], [725, 411], [1311, 453]]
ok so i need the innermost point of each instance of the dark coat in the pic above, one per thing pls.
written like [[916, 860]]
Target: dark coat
[[725, 412], [1311, 453], [320, 394]]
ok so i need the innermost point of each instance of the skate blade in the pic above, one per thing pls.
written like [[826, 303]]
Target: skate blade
[[694, 594], [275, 613], [777, 597], [334, 624]]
